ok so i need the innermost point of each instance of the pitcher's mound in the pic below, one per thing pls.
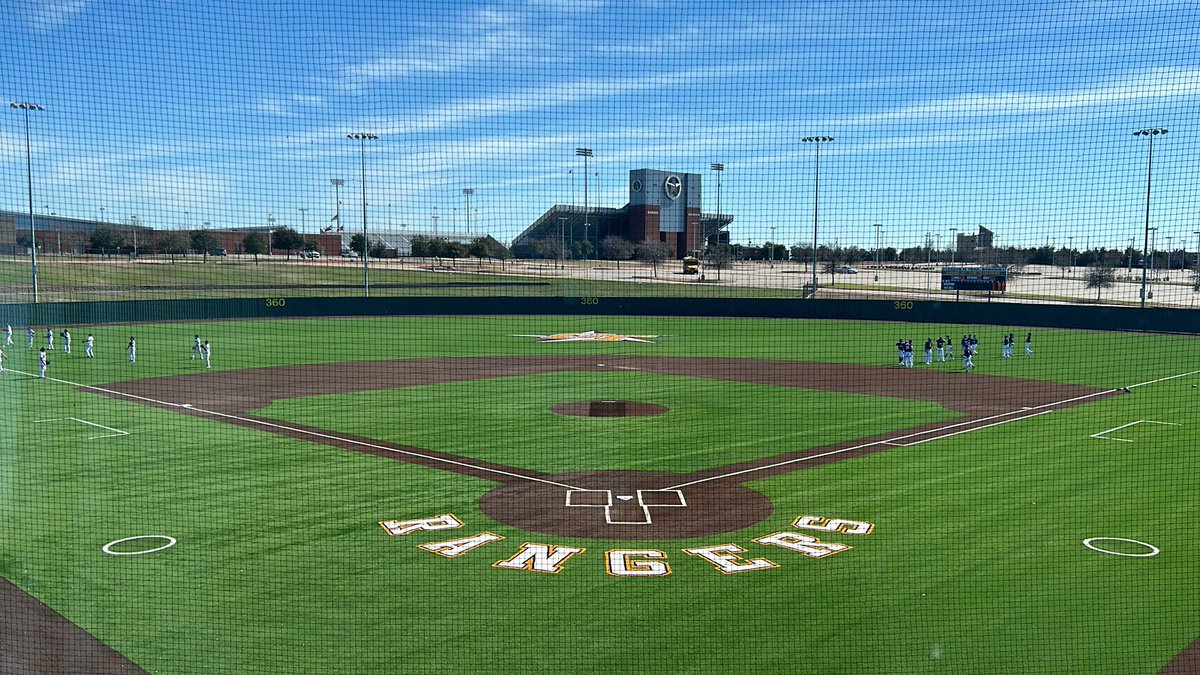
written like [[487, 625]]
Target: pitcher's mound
[[608, 409]]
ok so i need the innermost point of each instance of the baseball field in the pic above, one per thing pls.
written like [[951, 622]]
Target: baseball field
[[586, 494]]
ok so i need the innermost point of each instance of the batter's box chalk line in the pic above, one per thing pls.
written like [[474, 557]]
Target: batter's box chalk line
[[626, 507], [1103, 435], [115, 432]]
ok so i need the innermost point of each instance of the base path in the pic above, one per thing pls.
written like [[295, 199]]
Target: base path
[[624, 505]]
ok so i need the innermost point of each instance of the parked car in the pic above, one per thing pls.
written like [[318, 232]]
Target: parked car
[[219, 252], [347, 253], [310, 255], [846, 269]]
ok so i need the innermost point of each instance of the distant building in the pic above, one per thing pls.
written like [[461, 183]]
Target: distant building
[[398, 243], [663, 206], [969, 243], [55, 234], [60, 235]]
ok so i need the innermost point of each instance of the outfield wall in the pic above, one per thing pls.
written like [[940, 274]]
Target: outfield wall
[[999, 314]]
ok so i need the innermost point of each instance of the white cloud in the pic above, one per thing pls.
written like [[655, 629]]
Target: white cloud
[[50, 14]]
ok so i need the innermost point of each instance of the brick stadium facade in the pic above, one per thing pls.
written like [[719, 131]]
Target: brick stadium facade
[[58, 235]]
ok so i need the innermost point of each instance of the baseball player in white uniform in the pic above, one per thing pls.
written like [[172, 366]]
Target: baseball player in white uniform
[[206, 351], [88, 345], [132, 346]]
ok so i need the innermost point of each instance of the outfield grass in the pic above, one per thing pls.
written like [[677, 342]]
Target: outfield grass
[[975, 564]]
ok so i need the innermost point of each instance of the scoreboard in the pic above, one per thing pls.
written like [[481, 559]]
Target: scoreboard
[[974, 278]]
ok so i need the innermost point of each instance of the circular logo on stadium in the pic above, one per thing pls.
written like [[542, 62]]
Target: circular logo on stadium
[[637, 185], [673, 187]]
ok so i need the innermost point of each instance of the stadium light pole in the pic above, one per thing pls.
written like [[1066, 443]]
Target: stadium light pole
[[362, 138], [720, 169], [928, 259], [467, 192], [953, 243], [1170, 243], [337, 184], [1197, 233], [816, 196], [771, 252], [585, 153], [878, 231], [562, 241], [25, 107], [1153, 246], [1149, 134], [270, 233]]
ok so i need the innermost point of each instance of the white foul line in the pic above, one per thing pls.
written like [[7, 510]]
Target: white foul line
[[1163, 379], [307, 432], [891, 441], [894, 440]]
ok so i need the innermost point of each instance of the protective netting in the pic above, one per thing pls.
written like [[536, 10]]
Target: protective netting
[[361, 337]]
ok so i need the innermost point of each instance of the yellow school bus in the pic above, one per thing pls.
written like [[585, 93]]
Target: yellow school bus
[[691, 265]]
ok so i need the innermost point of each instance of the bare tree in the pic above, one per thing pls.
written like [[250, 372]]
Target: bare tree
[[553, 249], [171, 243], [654, 252], [830, 267], [719, 257], [616, 248], [1100, 276], [254, 244]]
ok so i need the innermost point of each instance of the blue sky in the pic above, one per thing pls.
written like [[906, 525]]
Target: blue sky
[[1018, 116]]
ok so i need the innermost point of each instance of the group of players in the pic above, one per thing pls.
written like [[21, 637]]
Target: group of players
[[943, 349], [200, 348]]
